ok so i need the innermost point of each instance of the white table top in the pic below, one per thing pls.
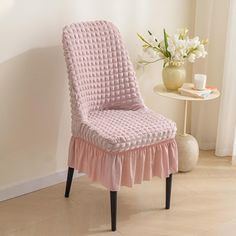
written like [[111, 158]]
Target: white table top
[[161, 90]]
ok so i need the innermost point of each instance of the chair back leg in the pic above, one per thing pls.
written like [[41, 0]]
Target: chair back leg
[[113, 200], [69, 181], [168, 191]]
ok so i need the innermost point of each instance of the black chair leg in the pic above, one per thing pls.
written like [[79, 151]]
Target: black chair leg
[[113, 200], [69, 181], [168, 191]]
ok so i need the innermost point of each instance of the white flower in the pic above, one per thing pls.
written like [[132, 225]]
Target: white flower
[[180, 48], [171, 48], [191, 57], [182, 32], [177, 47], [202, 49], [178, 56], [198, 53], [193, 43], [204, 54]]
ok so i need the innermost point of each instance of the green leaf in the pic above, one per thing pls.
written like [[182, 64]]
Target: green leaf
[[166, 43]]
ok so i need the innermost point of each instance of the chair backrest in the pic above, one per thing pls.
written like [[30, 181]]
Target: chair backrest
[[101, 75]]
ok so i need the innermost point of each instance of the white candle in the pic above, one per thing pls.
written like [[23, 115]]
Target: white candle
[[199, 81]]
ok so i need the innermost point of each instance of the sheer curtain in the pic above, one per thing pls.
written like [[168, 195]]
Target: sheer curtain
[[213, 123], [210, 22], [226, 133]]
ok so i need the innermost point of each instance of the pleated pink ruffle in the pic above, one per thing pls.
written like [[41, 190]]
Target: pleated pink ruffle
[[116, 169]]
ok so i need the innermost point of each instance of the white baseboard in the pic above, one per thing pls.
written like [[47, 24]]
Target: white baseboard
[[18, 189]]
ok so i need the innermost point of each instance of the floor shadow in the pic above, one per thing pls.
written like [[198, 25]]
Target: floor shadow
[[92, 205]]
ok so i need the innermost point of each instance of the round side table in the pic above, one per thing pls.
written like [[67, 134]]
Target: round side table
[[188, 148]]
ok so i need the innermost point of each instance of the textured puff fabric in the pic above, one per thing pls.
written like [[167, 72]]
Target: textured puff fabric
[[108, 112], [120, 130]]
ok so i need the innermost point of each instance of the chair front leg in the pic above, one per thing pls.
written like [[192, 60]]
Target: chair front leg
[[113, 201], [168, 191], [69, 181]]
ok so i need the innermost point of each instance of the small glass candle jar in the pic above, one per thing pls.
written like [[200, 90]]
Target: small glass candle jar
[[199, 81]]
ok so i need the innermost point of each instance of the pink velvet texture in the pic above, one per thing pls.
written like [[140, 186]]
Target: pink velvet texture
[[116, 139]]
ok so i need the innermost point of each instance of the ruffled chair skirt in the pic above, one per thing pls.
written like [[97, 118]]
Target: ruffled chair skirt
[[126, 168]]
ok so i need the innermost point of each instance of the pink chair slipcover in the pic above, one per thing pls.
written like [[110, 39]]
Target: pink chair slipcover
[[116, 139]]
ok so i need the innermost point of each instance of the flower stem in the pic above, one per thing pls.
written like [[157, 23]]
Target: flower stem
[[144, 62]]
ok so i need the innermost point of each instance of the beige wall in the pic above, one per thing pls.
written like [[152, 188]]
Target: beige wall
[[34, 102]]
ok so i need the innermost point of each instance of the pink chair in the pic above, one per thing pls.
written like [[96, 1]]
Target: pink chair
[[116, 140]]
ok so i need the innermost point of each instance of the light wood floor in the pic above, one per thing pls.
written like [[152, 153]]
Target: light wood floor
[[203, 203]]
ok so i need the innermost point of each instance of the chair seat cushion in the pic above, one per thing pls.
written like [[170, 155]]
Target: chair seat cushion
[[121, 130]]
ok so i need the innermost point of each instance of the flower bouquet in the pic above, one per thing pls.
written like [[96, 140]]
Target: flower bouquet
[[174, 50]]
